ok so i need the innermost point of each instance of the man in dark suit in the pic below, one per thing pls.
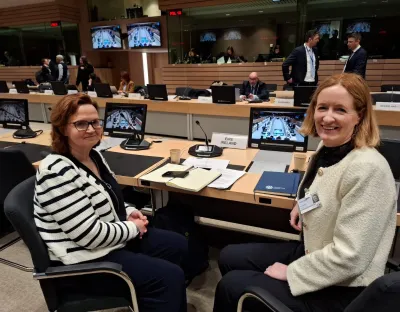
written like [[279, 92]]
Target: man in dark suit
[[254, 89], [357, 61], [304, 62]]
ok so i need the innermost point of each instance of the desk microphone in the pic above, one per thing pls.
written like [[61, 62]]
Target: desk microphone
[[185, 97], [201, 150]]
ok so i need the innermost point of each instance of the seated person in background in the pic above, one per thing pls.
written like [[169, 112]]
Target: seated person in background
[[93, 79], [193, 57], [254, 89], [81, 215], [126, 85], [348, 235], [230, 54]]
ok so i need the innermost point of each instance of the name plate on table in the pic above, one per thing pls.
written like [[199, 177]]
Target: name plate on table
[[136, 96], [72, 92], [284, 102], [229, 140], [388, 106], [13, 91], [204, 99], [49, 92], [92, 94]]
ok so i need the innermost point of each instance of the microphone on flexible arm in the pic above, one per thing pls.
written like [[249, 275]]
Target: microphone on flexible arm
[[201, 150]]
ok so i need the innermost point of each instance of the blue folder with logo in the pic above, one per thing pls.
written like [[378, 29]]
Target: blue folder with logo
[[278, 183]]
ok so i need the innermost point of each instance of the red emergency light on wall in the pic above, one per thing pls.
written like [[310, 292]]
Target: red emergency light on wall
[[55, 24], [176, 12]]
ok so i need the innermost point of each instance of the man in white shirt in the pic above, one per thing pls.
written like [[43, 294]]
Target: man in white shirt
[[63, 73], [357, 61], [304, 61]]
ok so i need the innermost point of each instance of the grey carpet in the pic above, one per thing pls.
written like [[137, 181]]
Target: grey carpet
[[19, 292]]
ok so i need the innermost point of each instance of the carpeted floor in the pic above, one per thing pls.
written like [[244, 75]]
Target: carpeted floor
[[20, 293]]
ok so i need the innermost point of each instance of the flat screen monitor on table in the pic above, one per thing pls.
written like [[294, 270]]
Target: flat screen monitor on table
[[277, 129], [223, 94], [3, 87], [157, 92], [14, 113], [303, 94]]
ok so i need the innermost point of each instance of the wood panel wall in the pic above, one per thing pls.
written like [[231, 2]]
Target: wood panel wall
[[183, 4], [379, 72], [15, 73], [38, 13]]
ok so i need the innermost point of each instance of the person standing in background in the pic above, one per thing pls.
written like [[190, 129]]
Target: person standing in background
[[357, 61], [84, 70], [53, 69], [63, 73], [44, 75], [304, 61]]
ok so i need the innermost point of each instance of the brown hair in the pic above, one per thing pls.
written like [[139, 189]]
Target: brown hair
[[355, 36], [60, 115], [125, 76], [366, 133]]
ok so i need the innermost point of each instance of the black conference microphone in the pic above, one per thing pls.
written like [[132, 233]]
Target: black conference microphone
[[205, 134], [198, 150]]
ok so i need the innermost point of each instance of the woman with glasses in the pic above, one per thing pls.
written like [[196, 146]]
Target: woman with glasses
[[81, 215]]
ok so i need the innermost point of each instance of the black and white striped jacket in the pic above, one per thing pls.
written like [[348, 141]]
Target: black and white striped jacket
[[74, 213]]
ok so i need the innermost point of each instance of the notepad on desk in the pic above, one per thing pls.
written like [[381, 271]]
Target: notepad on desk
[[195, 181], [278, 183]]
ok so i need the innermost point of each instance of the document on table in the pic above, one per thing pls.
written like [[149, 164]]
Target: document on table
[[206, 163], [109, 142], [227, 178]]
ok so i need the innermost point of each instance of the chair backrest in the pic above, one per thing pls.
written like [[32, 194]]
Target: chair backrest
[[287, 87], [18, 208], [180, 91], [195, 93], [272, 86], [385, 97], [386, 88], [382, 295], [14, 168]]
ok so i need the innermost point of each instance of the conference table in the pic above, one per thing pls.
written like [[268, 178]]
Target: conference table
[[177, 118], [238, 208]]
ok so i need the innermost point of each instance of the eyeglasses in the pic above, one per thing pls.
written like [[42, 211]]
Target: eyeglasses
[[83, 125]]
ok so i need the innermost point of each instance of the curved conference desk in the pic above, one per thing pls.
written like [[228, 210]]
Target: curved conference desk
[[177, 118]]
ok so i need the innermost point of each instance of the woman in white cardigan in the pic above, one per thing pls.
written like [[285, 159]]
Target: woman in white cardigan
[[347, 234], [81, 215]]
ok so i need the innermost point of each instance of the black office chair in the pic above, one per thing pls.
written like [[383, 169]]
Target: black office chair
[[272, 87], [382, 295], [61, 285], [195, 93], [14, 168], [389, 88], [385, 97], [183, 91], [287, 87]]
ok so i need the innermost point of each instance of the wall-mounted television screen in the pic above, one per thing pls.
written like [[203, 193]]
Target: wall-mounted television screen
[[359, 27], [144, 35], [106, 37], [208, 37]]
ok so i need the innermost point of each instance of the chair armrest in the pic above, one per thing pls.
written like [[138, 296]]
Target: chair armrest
[[79, 269], [273, 304], [393, 265]]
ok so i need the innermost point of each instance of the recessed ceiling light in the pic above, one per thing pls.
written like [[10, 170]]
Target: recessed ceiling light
[[261, 11], [227, 14]]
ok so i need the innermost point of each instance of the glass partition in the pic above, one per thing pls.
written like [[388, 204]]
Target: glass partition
[[28, 44], [264, 31]]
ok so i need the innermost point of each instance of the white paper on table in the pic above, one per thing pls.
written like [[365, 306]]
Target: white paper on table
[[109, 142], [206, 163], [228, 177]]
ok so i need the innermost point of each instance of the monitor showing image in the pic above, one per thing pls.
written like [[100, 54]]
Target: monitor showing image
[[106, 37], [125, 118], [359, 27], [277, 126], [13, 111], [144, 35], [208, 37]]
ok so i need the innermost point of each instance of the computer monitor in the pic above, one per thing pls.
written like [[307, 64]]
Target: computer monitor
[[21, 86], [277, 129], [157, 92], [14, 113], [303, 95], [390, 149], [103, 90], [223, 94], [59, 88], [4, 87], [123, 120]]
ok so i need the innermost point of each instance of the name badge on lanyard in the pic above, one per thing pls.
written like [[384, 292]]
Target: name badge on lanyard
[[308, 203]]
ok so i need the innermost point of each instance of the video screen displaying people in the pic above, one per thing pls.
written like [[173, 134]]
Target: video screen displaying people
[[125, 118], [277, 126], [12, 111], [144, 35], [106, 37]]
